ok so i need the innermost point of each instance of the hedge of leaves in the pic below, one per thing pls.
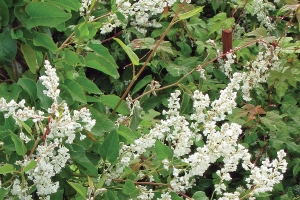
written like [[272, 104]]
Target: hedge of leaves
[[159, 99]]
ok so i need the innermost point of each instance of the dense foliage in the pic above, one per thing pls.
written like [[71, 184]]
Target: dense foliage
[[161, 99]]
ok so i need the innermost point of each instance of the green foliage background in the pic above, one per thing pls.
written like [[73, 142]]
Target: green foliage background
[[97, 72]]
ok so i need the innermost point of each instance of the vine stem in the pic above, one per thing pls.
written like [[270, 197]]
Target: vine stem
[[66, 41], [143, 183], [64, 44], [148, 59], [196, 68], [237, 21]]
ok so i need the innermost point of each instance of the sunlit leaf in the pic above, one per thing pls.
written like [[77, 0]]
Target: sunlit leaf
[[190, 13]]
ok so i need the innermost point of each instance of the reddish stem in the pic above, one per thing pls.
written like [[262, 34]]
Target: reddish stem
[[47, 131]]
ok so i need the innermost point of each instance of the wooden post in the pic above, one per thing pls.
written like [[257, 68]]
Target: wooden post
[[227, 41]]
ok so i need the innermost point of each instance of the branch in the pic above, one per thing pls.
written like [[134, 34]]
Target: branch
[[196, 68], [148, 59]]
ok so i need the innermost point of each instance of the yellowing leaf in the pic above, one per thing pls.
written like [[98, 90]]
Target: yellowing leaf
[[191, 13]]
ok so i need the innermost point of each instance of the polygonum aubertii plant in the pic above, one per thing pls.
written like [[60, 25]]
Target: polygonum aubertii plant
[[56, 126]]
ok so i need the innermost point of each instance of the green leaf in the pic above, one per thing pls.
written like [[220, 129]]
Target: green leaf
[[46, 101], [88, 85], [25, 126], [4, 192], [277, 144], [29, 86], [132, 56], [111, 101], [8, 47], [262, 195], [142, 83], [30, 57], [110, 195], [274, 122], [181, 66], [45, 14], [258, 32], [90, 182], [10, 92], [127, 133], [165, 47], [174, 196], [219, 22], [19, 12], [19, 146], [291, 6], [45, 41], [200, 196], [185, 48], [148, 118], [79, 189], [101, 181], [130, 189], [214, 5], [7, 168], [142, 43], [104, 54], [100, 63], [109, 150], [75, 90], [4, 14], [135, 118], [293, 147], [288, 45], [103, 124], [82, 30], [31, 165], [191, 13], [296, 168], [162, 151], [67, 4], [121, 17], [281, 88], [57, 195], [185, 103], [17, 35], [78, 155], [200, 47], [71, 57]]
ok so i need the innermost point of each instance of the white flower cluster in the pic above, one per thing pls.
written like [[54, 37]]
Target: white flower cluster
[[239, 30], [50, 81], [261, 10], [258, 70], [165, 196], [226, 68], [20, 192], [84, 8], [140, 13], [131, 106], [174, 129], [145, 193], [20, 111], [263, 178], [219, 143], [68, 125], [50, 160], [50, 156]]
